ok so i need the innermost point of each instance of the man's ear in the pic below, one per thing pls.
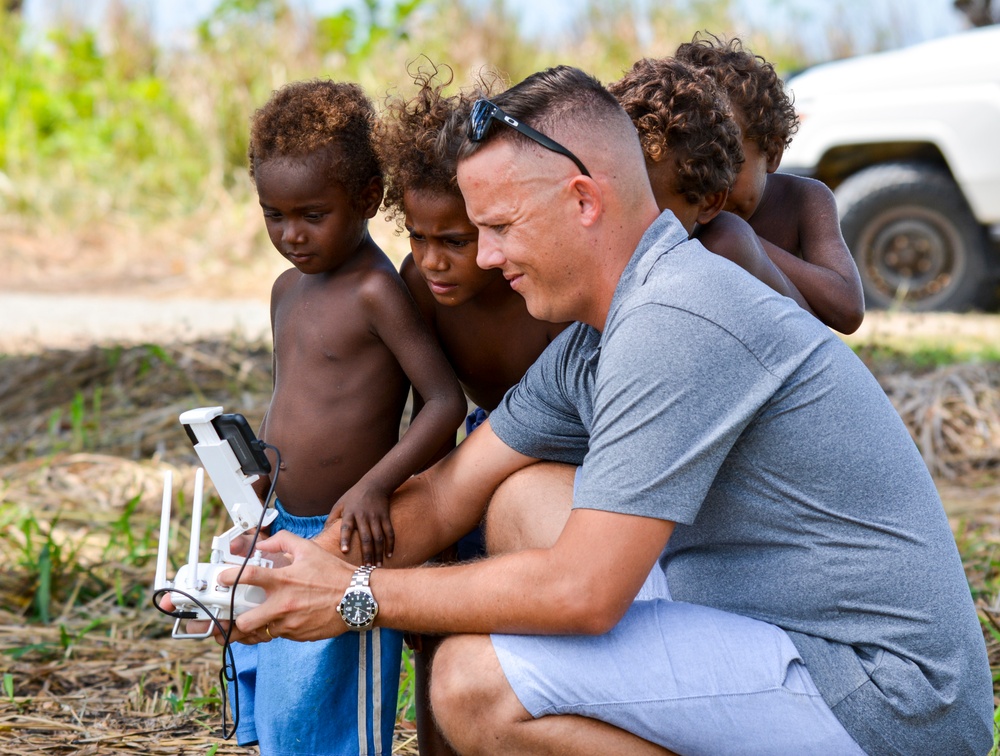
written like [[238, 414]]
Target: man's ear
[[711, 206], [371, 197], [589, 199]]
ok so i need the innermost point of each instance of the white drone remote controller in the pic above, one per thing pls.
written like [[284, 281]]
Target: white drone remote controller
[[229, 451]]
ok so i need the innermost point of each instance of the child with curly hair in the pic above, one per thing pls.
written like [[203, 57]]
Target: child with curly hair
[[693, 153], [796, 217], [482, 324], [348, 343]]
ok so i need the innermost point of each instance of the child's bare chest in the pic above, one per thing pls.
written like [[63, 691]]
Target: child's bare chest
[[491, 356], [321, 324]]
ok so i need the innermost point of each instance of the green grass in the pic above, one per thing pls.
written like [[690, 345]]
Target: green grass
[[917, 357], [101, 122]]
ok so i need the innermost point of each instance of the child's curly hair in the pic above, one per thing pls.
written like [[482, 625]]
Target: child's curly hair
[[307, 117], [681, 115], [421, 137], [754, 88]]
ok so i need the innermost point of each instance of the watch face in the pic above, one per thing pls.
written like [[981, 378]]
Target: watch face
[[358, 608]]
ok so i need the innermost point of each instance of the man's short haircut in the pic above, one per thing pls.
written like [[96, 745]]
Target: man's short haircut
[[546, 99], [422, 136], [334, 120], [682, 116], [755, 90]]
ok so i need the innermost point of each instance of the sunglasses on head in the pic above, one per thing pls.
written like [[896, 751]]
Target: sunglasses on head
[[485, 112]]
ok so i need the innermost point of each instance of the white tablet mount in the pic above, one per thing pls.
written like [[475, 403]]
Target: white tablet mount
[[234, 459]]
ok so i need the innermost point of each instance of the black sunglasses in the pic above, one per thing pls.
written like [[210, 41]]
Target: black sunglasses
[[485, 112]]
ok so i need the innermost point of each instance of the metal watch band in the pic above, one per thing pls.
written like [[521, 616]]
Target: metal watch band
[[361, 575]]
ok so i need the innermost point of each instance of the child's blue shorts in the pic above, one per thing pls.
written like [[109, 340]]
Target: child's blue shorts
[[333, 697]]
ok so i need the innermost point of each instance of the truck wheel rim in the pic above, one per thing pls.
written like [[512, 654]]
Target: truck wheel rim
[[912, 254]]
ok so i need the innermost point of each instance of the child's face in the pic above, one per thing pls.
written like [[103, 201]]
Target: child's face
[[746, 193], [444, 245], [312, 221]]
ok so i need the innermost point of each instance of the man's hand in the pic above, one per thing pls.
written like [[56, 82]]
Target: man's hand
[[367, 512], [302, 597], [239, 546]]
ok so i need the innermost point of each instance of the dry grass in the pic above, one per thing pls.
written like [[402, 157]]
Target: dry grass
[[102, 676], [112, 689], [221, 250], [953, 414], [81, 478], [123, 400]]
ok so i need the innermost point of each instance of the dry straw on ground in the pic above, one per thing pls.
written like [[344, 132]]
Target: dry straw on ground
[[111, 691], [85, 436], [125, 401], [953, 413]]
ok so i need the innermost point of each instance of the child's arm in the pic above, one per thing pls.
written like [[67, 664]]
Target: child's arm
[[425, 305], [446, 447], [826, 273], [729, 236], [396, 321]]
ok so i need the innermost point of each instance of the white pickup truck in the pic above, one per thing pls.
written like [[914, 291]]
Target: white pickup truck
[[909, 141]]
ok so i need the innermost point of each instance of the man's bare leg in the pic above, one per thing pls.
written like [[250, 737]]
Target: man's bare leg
[[479, 713], [473, 703], [530, 508], [430, 740]]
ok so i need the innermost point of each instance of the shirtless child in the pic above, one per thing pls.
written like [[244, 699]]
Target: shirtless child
[[692, 148], [348, 342], [795, 217], [482, 324]]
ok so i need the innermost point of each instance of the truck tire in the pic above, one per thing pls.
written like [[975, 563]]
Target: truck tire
[[914, 238]]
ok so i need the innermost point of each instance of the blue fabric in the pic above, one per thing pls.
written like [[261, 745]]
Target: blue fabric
[[689, 678], [302, 699], [476, 418], [472, 545]]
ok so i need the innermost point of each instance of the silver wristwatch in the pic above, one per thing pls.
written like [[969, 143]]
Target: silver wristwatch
[[359, 608]]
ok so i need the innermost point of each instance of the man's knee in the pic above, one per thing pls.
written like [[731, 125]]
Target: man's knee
[[468, 685], [530, 508]]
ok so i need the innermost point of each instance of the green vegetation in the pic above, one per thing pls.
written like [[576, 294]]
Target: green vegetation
[[891, 341], [96, 123], [123, 161], [919, 357]]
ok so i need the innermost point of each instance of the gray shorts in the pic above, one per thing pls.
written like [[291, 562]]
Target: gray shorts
[[690, 678]]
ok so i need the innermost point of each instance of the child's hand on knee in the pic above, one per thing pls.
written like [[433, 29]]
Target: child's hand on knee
[[367, 512]]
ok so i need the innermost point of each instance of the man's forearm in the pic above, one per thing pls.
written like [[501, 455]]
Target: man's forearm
[[505, 594], [581, 585]]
